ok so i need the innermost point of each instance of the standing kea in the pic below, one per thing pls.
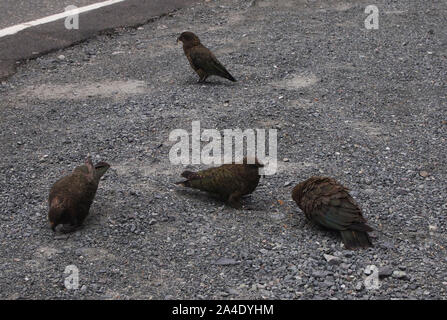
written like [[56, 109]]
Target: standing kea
[[229, 181], [328, 204], [201, 59], [71, 196]]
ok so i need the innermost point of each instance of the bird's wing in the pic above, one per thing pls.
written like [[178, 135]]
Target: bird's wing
[[332, 207], [218, 180], [74, 187], [338, 214], [203, 58]]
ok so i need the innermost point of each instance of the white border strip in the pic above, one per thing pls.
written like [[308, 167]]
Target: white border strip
[[19, 27]]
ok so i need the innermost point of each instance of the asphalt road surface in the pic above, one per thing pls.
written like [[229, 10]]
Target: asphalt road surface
[[43, 38], [13, 12]]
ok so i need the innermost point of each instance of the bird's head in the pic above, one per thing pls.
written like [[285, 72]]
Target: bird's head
[[188, 39], [297, 193], [253, 162], [101, 168], [304, 186]]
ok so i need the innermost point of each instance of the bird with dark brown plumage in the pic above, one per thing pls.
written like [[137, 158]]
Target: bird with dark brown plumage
[[72, 195], [201, 59], [229, 181], [329, 204]]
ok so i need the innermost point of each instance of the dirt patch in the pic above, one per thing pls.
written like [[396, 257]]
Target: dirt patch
[[296, 82], [77, 91]]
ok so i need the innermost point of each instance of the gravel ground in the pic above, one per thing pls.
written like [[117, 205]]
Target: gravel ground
[[366, 107]]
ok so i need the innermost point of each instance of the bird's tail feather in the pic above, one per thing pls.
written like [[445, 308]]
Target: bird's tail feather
[[355, 239], [222, 72], [230, 77]]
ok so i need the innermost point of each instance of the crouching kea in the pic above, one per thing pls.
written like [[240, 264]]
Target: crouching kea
[[329, 204]]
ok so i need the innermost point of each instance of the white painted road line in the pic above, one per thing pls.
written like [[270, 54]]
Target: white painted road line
[[19, 27]]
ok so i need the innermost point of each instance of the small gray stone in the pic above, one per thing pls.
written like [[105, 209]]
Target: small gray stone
[[400, 275], [232, 291], [226, 262], [332, 260], [359, 286], [318, 274], [387, 245], [328, 283], [344, 266], [385, 272], [61, 237]]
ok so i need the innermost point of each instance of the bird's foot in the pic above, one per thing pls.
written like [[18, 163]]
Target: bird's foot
[[235, 201]]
